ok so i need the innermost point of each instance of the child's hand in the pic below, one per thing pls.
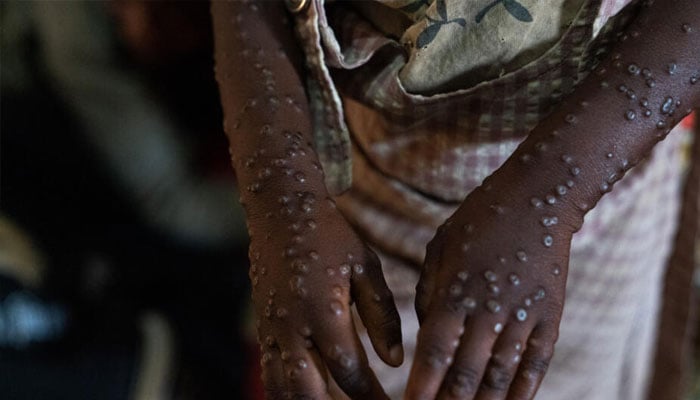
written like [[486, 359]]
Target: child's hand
[[307, 264], [489, 300], [305, 275]]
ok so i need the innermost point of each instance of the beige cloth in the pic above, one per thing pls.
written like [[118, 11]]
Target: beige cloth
[[417, 155], [456, 44], [607, 333]]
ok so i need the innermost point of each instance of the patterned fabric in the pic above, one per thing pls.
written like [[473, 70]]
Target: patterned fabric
[[482, 38], [608, 328], [416, 156], [508, 106]]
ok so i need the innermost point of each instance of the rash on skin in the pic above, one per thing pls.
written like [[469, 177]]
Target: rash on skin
[[471, 323], [527, 211], [308, 267]]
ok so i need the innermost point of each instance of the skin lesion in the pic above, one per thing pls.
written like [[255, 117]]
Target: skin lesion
[[527, 303]]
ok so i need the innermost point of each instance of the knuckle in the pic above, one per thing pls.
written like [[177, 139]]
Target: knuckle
[[460, 306], [535, 365], [497, 378], [388, 319], [463, 380], [543, 345], [436, 353], [352, 381]]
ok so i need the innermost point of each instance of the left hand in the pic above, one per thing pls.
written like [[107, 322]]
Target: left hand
[[490, 299]]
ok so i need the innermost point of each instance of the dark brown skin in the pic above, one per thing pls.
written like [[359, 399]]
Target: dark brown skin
[[571, 159], [507, 243], [307, 263]]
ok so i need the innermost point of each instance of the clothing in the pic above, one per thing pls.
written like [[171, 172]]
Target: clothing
[[610, 316], [416, 154]]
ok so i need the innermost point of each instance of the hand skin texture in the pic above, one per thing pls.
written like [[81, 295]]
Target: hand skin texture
[[307, 264], [492, 290]]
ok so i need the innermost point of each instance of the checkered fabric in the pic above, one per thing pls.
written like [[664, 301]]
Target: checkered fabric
[[617, 262], [415, 157], [364, 64]]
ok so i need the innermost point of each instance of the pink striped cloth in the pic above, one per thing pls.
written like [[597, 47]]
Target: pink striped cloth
[[414, 157]]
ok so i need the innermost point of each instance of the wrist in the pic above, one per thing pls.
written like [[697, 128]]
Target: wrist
[[534, 190], [279, 193]]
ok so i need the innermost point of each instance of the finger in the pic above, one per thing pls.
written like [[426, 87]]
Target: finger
[[426, 283], [304, 372], [535, 361], [438, 339], [375, 306], [273, 374], [462, 380], [345, 357], [502, 367], [335, 392]]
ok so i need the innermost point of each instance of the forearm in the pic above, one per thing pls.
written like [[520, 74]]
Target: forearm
[[258, 68], [614, 119], [319, 267]]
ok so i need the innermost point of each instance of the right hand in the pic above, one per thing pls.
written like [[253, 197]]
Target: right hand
[[305, 276], [490, 297]]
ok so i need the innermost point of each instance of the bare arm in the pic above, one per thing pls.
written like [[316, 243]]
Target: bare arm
[[307, 264], [495, 273]]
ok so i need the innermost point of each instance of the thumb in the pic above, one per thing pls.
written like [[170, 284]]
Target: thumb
[[375, 306]]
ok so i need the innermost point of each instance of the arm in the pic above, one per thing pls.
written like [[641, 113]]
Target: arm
[[307, 264], [492, 290]]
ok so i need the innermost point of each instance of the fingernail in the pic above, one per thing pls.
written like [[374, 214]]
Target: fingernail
[[396, 354]]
